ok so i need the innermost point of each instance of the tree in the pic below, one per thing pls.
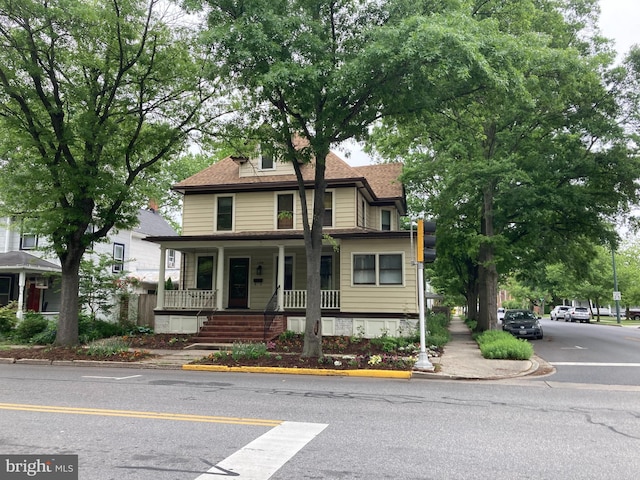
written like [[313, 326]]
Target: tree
[[324, 71], [531, 165], [93, 96]]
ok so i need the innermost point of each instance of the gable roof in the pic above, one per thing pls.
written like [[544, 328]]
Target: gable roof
[[151, 223], [382, 181]]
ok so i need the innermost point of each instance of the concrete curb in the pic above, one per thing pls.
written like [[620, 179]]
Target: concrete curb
[[399, 374]]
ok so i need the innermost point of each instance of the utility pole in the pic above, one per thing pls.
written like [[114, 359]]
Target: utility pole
[[616, 293]]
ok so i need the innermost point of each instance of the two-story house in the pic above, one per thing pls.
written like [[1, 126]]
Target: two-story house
[[30, 275], [244, 257]]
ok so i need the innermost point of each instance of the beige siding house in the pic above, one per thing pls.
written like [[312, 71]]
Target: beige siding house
[[244, 263]]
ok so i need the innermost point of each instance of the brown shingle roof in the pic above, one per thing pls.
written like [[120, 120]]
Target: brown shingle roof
[[382, 179]]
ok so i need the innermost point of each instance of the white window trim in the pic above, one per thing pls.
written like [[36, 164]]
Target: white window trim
[[390, 218], [171, 258], [377, 270], [30, 236], [118, 266], [333, 208], [275, 211], [233, 213], [213, 272]]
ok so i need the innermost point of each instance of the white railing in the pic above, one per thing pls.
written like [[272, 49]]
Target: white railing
[[189, 299], [329, 299]]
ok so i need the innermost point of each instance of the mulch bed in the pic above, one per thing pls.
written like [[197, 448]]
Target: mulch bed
[[340, 353]]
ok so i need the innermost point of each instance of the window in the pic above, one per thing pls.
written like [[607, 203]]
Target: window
[[385, 217], [326, 272], [224, 219], [118, 258], [5, 290], [171, 258], [266, 162], [266, 158], [327, 221], [390, 269], [377, 269], [285, 211], [204, 274], [364, 269], [28, 241], [288, 272], [362, 214]]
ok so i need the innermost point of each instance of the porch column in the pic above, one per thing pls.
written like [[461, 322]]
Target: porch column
[[160, 289], [22, 281], [280, 280], [219, 278]]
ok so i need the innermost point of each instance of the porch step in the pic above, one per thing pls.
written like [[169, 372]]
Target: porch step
[[222, 328]]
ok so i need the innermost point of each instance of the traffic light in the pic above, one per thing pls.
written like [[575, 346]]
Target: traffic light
[[426, 241]]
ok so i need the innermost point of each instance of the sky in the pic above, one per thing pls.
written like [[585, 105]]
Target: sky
[[619, 21]]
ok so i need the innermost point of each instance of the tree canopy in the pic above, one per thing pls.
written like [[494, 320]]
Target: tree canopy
[[93, 96], [521, 171]]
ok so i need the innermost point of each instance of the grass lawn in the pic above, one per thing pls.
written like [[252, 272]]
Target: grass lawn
[[614, 321]]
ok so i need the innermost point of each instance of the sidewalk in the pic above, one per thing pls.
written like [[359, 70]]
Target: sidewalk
[[462, 360]]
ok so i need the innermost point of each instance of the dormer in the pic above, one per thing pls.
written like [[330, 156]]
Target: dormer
[[264, 164]]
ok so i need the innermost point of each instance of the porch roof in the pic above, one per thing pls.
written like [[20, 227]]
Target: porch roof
[[24, 262], [278, 235]]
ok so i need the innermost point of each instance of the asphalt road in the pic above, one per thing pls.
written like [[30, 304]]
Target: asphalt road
[[591, 353], [178, 425]]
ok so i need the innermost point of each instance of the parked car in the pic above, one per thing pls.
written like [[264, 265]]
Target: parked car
[[578, 314], [558, 312], [501, 314], [522, 324]]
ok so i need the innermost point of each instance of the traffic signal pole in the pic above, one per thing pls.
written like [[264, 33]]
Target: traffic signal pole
[[423, 362]]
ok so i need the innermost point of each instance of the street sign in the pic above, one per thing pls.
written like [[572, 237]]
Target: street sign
[[617, 296]]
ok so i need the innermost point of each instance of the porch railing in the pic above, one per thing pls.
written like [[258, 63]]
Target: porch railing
[[329, 299], [189, 299]]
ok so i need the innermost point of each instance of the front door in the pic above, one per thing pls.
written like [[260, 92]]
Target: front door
[[238, 282]]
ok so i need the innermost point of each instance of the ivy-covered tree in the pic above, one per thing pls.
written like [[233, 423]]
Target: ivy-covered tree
[[93, 96]]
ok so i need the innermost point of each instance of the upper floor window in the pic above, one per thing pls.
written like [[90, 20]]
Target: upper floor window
[[224, 218], [362, 213], [327, 221], [377, 269], [385, 220], [28, 241], [171, 258], [118, 258], [285, 211], [266, 159]]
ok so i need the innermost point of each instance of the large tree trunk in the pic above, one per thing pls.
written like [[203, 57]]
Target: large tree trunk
[[488, 274], [313, 248], [67, 332]]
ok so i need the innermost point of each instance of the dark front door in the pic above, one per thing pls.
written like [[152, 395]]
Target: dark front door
[[238, 282]]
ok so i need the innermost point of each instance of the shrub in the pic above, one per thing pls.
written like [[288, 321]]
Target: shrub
[[498, 344], [32, 324], [287, 335], [48, 335], [8, 318]]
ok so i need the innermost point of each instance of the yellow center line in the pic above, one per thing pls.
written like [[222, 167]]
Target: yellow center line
[[136, 414]]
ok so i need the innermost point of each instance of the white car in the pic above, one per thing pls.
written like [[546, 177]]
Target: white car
[[500, 314], [559, 311]]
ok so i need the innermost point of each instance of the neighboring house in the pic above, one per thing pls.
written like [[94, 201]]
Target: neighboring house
[[31, 277], [244, 259]]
